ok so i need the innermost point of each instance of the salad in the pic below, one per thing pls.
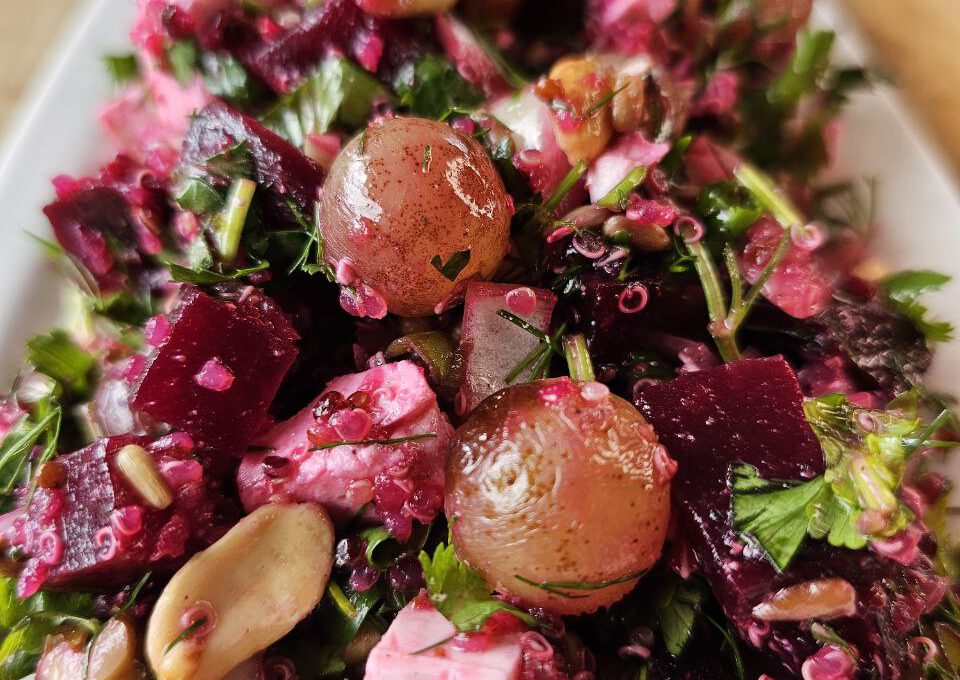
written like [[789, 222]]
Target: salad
[[510, 340]]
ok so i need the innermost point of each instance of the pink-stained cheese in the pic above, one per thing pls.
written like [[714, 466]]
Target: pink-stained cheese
[[404, 481], [420, 645]]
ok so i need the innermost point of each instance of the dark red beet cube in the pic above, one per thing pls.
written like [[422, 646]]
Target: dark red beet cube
[[751, 411], [278, 166], [218, 369], [95, 531], [377, 44]]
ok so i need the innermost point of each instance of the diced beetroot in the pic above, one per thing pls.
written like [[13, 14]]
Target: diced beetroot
[[719, 96], [420, 643], [250, 338], [468, 55], [404, 480], [95, 531], [279, 167], [674, 306], [492, 346], [619, 160], [340, 26], [751, 411], [797, 286]]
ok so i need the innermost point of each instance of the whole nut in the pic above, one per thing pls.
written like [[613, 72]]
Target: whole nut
[[647, 239], [113, 652], [254, 585], [584, 83]]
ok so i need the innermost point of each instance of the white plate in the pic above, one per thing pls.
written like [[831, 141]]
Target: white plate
[[57, 132]]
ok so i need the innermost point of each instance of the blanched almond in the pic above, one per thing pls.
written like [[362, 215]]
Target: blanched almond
[[61, 660], [241, 594], [821, 599], [584, 83], [113, 652]]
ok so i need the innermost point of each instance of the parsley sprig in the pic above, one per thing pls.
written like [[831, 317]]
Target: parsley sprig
[[855, 500], [459, 592]]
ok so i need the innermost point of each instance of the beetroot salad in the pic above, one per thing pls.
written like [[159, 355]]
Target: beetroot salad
[[497, 340]]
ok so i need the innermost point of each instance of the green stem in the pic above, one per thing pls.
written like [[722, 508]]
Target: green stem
[[566, 184], [228, 224], [710, 279], [578, 357], [736, 281], [768, 195]]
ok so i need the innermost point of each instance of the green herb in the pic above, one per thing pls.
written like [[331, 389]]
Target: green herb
[[678, 606], [382, 548], [538, 359], [726, 320], [338, 93], [560, 588], [183, 57], [617, 197], [433, 348], [523, 324], [730, 641], [864, 469], [453, 266], [809, 63], [577, 355], [438, 643], [233, 162], [122, 68], [228, 224], [209, 276], [19, 442], [185, 633], [131, 599], [199, 196], [607, 98], [27, 623], [773, 513], [373, 442], [432, 88], [56, 355], [566, 184], [459, 592], [225, 77], [903, 291], [728, 209], [671, 162], [425, 163]]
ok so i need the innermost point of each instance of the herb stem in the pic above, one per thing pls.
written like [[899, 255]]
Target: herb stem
[[928, 431], [740, 313], [578, 357], [768, 196], [369, 442], [228, 224], [566, 184]]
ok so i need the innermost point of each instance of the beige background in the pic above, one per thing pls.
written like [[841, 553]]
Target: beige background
[[919, 40]]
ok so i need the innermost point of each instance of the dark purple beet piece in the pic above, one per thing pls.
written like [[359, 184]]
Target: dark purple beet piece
[[674, 306], [110, 224], [751, 411], [218, 369], [278, 165], [95, 531], [377, 44]]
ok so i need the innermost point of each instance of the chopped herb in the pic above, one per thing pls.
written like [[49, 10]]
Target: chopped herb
[[225, 77], [566, 184], [903, 291], [730, 641], [185, 633], [617, 197], [209, 276], [459, 592], [438, 643], [372, 442], [183, 57], [773, 513], [677, 608], [122, 68], [338, 93], [131, 599], [233, 162], [431, 87], [425, 164], [560, 588], [451, 270], [198, 196], [602, 103], [728, 209], [19, 443], [523, 324], [56, 355]]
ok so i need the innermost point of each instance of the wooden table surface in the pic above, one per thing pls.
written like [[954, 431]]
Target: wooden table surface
[[917, 40]]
